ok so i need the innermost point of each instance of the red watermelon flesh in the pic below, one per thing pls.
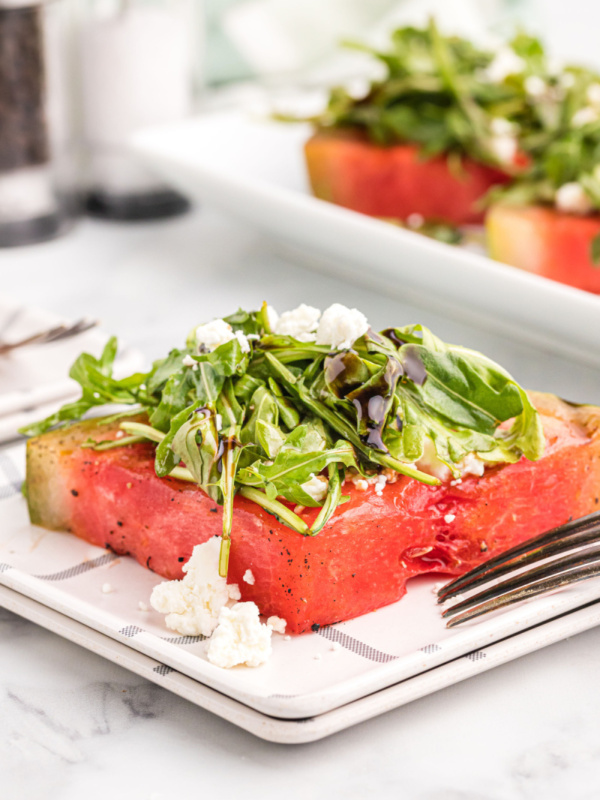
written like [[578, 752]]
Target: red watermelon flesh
[[547, 242], [362, 558], [396, 181]]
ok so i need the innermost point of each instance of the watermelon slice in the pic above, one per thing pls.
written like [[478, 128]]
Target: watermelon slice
[[547, 242], [395, 182], [364, 556]]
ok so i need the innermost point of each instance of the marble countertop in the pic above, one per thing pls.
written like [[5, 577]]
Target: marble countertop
[[73, 725]]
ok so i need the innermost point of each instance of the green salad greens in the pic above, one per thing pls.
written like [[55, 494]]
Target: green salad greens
[[511, 107], [450, 96], [282, 415]]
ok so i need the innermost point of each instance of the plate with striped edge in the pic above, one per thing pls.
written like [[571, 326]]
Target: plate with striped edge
[[289, 731], [308, 675]]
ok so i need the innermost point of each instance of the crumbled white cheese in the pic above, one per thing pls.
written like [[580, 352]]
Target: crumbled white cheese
[[361, 485], [571, 197], [192, 605], [472, 465], [415, 221], [287, 638], [500, 126], [566, 80], [380, 485], [107, 588], [214, 334], [143, 606], [593, 94], [240, 638], [188, 361], [252, 336], [249, 577], [340, 326], [277, 624], [449, 518], [243, 340], [504, 148], [585, 116], [506, 62], [335, 646], [316, 487], [301, 323], [535, 86], [431, 464]]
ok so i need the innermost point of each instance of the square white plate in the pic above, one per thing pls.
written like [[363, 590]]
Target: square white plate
[[308, 675], [255, 170], [289, 731]]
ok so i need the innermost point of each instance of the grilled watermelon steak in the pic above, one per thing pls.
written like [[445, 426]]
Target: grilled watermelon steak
[[396, 181], [546, 242], [364, 555]]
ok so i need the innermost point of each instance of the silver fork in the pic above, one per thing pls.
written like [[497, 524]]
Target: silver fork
[[562, 556], [55, 334]]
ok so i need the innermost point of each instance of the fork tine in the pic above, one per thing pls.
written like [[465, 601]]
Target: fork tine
[[55, 334], [557, 540], [546, 570], [532, 590], [76, 328]]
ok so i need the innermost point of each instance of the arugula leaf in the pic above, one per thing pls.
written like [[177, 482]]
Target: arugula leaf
[[98, 388]]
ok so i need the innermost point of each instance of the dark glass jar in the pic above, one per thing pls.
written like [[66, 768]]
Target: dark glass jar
[[38, 186]]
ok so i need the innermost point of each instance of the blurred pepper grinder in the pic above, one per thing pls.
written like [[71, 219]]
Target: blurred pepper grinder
[[137, 59], [38, 197]]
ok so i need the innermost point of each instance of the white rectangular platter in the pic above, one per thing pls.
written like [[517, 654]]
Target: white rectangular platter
[[254, 169], [308, 675]]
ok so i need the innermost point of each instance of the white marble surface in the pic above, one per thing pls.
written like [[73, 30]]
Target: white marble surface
[[74, 726]]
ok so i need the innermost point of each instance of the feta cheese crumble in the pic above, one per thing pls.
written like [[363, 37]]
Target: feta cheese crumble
[[188, 361], [449, 518], [249, 577], [340, 326], [277, 624], [380, 485], [415, 221], [301, 323], [243, 340], [571, 197], [107, 588], [584, 116], [506, 62], [504, 148], [193, 604], [593, 94], [500, 126], [214, 334], [535, 86], [240, 638], [316, 487]]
